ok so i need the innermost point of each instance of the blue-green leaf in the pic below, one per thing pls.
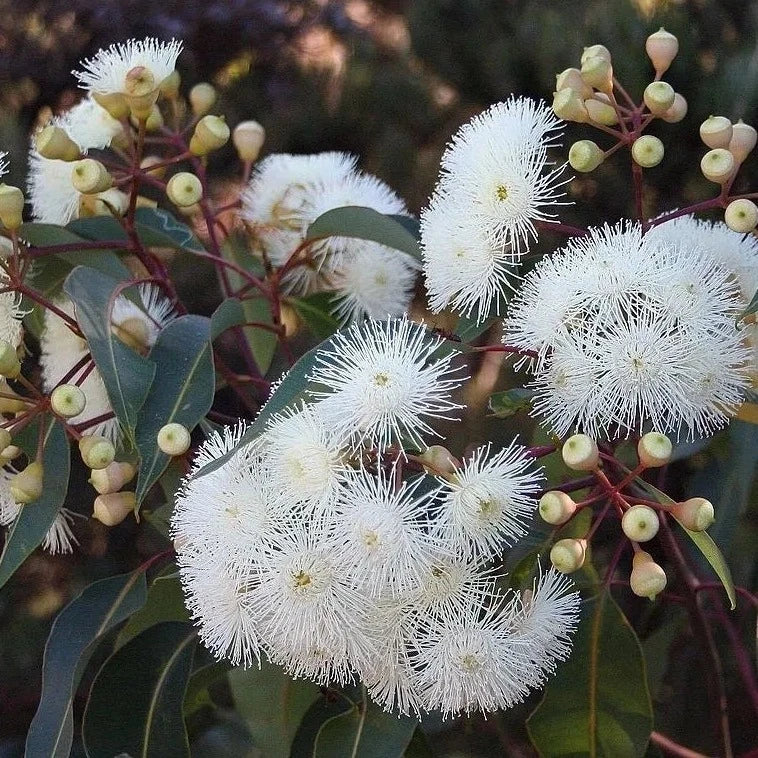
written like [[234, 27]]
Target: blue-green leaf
[[315, 311]]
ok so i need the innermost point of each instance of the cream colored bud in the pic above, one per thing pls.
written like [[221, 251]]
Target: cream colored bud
[[677, 111], [174, 439], [141, 91], [8, 404], [202, 97], [10, 366], [647, 579], [53, 142], [146, 202], [149, 162], [11, 206], [5, 438], [661, 48], [654, 449], [568, 555], [640, 523], [26, 486], [112, 478], [211, 133], [556, 507], [248, 138], [113, 508], [96, 451], [67, 400], [108, 203], [11, 452], [743, 140], [585, 156], [716, 131], [696, 514], [569, 106], [596, 51], [441, 461], [571, 78], [90, 177], [134, 332], [659, 97], [598, 73], [113, 102], [184, 189], [580, 453], [718, 165], [601, 113], [647, 151], [154, 120], [741, 215], [170, 85]]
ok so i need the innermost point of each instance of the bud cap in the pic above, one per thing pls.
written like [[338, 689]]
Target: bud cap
[[647, 151], [556, 507], [661, 48], [659, 97], [580, 453], [677, 111], [716, 131], [743, 141], [202, 97], [174, 439], [67, 400], [601, 112], [184, 189], [26, 486], [654, 449], [11, 206], [97, 452], [696, 514], [741, 215], [112, 478], [248, 138], [585, 156], [568, 555], [718, 165], [647, 579], [640, 523], [111, 509]]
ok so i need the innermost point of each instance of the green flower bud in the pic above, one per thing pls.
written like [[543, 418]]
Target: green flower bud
[[202, 97], [647, 151], [585, 156], [170, 85], [97, 452], [568, 555], [571, 78], [640, 523], [601, 112], [174, 439], [743, 141], [718, 165], [248, 138], [5, 438], [440, 459], [569, 106], [211, 133], [597, 72], [112, 478], [26, 486], [67, 400], [716, 131], [111, 509], [647, 579], [556, 507], [113, 102], [596, 51], [661, 48], [141, 91], [53, 142], [107, 203], [741, 215], [696, 514], [11, 207], [184, 189], [10, 366], [659, 97], [90, 177], [677, 111], [654, 449], [580, 453]]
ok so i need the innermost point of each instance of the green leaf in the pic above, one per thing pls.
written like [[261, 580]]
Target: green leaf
[[272, 705], [365, 731], [598, 704], [703, 541], [73, 637], [126, 374], [165, 602], [230, 313], [135, 704], [182, 391], [510, 402], [315, 312], [751, 308], [468, 329], [36, 518], [367, 224], [197, 688], [262, 341]]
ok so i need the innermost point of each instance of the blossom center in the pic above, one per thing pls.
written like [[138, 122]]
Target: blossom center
[[501, 193]]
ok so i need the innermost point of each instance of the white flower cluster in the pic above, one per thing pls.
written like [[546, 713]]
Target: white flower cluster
[[312, 547], [631, 331], [287, 193], [496, 183]]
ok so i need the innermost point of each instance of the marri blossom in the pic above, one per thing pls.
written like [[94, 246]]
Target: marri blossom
[[631, 331]]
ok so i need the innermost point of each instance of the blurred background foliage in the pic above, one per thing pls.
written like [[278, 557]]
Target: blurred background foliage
[[391, 81]]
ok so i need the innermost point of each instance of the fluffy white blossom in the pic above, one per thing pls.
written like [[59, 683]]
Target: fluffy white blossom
[[106, 72], [382, 382], [488, 502], [53, 198], [11, 317], [89, 125], [631, 330]]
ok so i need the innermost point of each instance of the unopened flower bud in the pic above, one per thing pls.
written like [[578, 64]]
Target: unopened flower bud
[[601, 113], [568, 555], [647, 151], [248, 138], [141, 91], [696, 514], [154, 120], [647, 579], [11, 452], [580, 453], [67, 400], [716, 131], [5, 438], [596, 51], [569, 106], [743, 140], [640, 523], [585, 156], [111, 202], [11, 206], [202, 97], [170, 85], [26, 486], [659, 97], [13, 404], [211, 133], [90, 177], [148, 163], [677, 111], [718, 165], [113, 508], [571, 78], [440, 460], [96, 451], [134, 332], [661, 48], [174, 439], [556, 507], [654, 449], [53, 142], [112, 478], [10, 366], [184, 189], [598, 73], [113, 102], [741, 215]]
